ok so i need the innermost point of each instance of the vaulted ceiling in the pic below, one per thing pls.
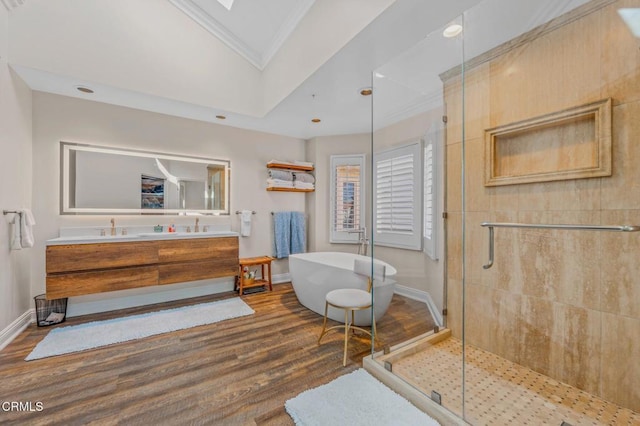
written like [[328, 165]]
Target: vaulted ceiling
[[265, 65]]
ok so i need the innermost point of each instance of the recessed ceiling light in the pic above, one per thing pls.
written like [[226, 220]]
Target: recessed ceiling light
[[221, 117], [452, 30], [84, 89], [366, 91], [315, 120]]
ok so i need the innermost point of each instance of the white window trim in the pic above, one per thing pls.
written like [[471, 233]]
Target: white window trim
[[342, 237], [411, 241]]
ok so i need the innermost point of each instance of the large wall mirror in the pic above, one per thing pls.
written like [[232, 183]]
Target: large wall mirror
[[103, 180]]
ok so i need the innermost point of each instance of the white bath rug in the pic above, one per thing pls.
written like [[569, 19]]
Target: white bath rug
[[92, 335], [354, 399]]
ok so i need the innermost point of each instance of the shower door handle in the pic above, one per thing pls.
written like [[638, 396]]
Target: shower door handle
[[490, 263]]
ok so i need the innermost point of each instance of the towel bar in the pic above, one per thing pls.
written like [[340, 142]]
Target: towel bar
[[6, 212], [239, 212], [491, 225]]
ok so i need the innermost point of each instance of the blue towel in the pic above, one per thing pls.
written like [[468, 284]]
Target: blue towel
[[282, 234], [298, 233]]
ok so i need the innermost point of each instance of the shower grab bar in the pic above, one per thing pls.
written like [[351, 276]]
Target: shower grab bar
[[491, 225]]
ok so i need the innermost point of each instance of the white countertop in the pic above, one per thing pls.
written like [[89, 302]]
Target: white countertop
[[92, 239]]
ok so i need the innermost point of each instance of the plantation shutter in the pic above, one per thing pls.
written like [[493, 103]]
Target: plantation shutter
[[429, 200], [428, 191], [347, 182], [398, 208]]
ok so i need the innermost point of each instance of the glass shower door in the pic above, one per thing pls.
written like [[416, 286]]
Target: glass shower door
[[417, 141]]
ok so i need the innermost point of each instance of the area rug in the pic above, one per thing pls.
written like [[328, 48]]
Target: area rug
[[354, 399], [95, 334]]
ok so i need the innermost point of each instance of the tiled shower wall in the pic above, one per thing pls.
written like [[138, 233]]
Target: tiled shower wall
[[563, 303]]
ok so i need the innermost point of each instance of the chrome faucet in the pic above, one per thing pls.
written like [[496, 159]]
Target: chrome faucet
[[113, 226], [197, 227], [363, 241]]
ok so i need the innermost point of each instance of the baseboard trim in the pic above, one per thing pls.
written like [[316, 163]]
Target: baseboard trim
[[281, 278], [16, 327], [422, 296]]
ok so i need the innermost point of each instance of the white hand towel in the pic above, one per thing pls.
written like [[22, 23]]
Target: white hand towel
[[245, 223], [26, 228], [15, 233]]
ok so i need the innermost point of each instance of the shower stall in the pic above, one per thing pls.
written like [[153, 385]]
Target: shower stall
[[504, 190]]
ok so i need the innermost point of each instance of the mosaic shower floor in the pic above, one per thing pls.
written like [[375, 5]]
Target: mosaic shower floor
[[500, 392]]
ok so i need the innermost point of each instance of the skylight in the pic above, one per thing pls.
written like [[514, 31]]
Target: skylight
[[226, 3], [631, 17]]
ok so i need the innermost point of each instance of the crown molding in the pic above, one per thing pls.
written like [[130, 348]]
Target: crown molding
[[213, 26], [210, 24], [12, 4]]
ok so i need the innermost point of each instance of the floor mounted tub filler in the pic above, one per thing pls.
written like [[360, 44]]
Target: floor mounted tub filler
[[313, 275]]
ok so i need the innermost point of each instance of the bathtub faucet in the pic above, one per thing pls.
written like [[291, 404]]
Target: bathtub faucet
[[363, 241]]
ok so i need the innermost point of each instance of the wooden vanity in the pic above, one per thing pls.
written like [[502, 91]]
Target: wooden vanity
[[79, 269]]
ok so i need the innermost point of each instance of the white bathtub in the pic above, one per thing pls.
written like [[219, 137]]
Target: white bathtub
[[313, 275]]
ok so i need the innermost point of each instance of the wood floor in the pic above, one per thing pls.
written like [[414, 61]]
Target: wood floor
[[236, 372]]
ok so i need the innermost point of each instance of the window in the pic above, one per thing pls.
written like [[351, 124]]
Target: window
[[347, 197], [429, 220], [398, 204]]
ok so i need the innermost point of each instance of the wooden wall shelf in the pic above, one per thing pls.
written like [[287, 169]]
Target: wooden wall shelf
[[278, 189], [290, 167]]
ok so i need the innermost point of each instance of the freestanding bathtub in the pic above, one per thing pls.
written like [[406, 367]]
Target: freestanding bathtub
[[313, 275]]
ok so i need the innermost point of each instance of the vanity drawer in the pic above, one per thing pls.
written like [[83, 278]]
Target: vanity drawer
[[77, 284], [198, 270], [187, 250], [85, 257]]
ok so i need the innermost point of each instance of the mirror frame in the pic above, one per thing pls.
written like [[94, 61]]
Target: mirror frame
[[67, 209]]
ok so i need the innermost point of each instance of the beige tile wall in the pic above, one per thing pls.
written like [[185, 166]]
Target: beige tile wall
[[563, 303]]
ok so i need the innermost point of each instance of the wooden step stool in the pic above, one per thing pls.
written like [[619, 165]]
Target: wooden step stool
[[265, 279]]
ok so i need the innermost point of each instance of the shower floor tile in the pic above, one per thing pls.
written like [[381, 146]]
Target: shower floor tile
[[500, 392]]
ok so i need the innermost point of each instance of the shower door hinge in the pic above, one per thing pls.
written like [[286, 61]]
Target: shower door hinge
[[444, 215], [444, 312], [445, 119]]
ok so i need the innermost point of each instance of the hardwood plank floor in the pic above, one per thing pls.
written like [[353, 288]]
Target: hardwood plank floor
[[236, 372]]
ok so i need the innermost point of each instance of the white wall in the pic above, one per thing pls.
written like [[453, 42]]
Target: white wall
[[15, 185], [58, 118]]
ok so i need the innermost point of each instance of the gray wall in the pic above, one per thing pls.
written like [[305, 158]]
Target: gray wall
[[15, 186]]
